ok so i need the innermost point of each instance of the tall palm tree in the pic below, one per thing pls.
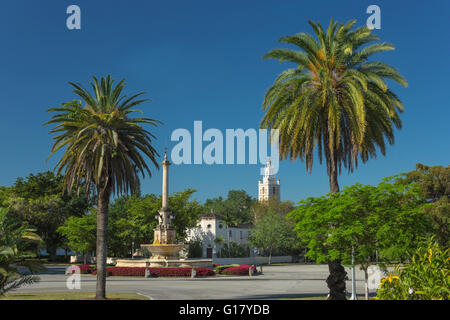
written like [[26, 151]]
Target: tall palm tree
[[104, 149], [335, 101]]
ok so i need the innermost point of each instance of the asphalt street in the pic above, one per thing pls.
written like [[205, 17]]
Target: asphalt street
[[276, 282]]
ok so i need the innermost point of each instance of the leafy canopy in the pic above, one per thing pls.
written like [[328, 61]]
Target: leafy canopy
[[386, 218]]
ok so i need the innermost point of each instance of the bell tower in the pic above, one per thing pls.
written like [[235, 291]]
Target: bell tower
[[268, 186]]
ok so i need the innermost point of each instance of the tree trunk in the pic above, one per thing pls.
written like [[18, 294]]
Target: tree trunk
[[102, 248], [51, 250], [228, 241], [333, 174], [336, 279], [366, 283]]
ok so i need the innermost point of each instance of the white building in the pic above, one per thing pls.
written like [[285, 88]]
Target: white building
[[212, 227], [269, 186]]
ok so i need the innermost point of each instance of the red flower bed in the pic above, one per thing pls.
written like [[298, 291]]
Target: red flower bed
[[156, 272], [242, 270], [84, 268]]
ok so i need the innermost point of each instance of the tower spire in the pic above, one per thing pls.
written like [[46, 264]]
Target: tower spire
[[269, 186]]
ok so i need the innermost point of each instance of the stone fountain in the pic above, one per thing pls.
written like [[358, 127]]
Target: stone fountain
[[165, 249]]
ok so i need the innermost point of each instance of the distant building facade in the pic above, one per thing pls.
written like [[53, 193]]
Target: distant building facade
[[211, 227]]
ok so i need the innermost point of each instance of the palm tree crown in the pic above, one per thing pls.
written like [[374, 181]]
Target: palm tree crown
[[334, 100], [103, 144]]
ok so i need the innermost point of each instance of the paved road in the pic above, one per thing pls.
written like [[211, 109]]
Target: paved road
[[275, 282]]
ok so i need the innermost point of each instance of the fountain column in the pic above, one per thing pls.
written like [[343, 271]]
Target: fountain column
[[165, 185], [164, 233]]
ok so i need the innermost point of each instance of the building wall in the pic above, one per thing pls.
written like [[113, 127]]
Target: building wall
[[210, 229], [253, 260]]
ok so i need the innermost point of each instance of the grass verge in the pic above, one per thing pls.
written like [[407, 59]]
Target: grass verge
[[70, 296]]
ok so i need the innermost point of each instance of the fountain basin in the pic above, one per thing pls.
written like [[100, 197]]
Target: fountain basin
[[164, 255], [164, 263], [163, 251]]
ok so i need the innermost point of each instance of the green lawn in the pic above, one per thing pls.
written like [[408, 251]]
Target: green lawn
[[69, 296]]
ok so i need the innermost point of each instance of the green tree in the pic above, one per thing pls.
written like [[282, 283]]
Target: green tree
[[260, 208], [195, 249], [385, 219], [4, 195], [15, 240], [236, 207], [80, 233], [273, 232], [335, 101], [233, 250], [435, 185], [238, 204], [37, 199], [104, 148], [132, 220]]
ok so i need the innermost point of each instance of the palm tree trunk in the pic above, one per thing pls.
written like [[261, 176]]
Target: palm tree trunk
[[102, 248], [336, 279], [333, 171]]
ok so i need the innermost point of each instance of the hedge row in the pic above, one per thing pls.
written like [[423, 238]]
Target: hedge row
[[219, 268], [154, 272], [241, 270], [85, 268], [233, 269]]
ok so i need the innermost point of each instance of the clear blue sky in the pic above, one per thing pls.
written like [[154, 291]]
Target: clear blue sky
[[202, 60]]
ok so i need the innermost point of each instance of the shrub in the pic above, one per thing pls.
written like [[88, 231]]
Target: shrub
[[195, 249], [220, 268], [426, 277], [235, 249], [85, 268], [156, 272], [241, 270]]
